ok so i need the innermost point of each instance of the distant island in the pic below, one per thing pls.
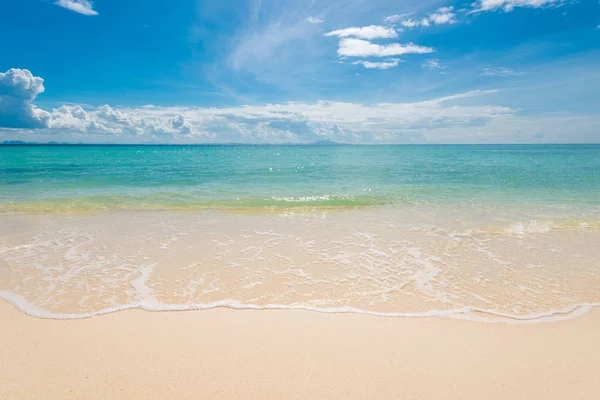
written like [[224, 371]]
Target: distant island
[[22, 143], [324, 142]]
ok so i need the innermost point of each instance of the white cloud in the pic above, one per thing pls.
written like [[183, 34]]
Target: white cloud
[[509, 5], [362, 48], [271, 123], [314, 20], [18, 90], [392, 19], [84, 7], [460, 118], [273, 53], [443, 15], [410, 23], [378, 65], [433, 64], [365, 32], [105, 120], [499, 71], [442, 120]]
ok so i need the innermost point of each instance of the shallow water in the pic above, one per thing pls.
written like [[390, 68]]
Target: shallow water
[[42, 178], [387, 261], [498, 233]]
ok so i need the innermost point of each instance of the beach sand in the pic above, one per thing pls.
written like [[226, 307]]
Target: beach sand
[[288, 354]]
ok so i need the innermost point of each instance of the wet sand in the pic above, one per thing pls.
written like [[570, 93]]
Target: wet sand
[[287, 354], [421, 261]]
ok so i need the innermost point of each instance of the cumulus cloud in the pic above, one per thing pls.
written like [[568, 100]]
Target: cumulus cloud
[[378, 65], [358, 42], [271, 123], [443, 15], [106, 120], [499, 71], [349, 47], [460, 118], [365, 32], [18, 90], [314, 20], [84, 7], [292, 122], [509, 5]]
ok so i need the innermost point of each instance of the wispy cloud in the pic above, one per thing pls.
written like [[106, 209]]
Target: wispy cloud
[[349, 47], [84, 7], [392, 19], [509, 5], [443, 15], [499, 71], [434, 64], [268, 53], [365, 32], [274, 44], [314, 20], [275, 47], [387, 64]]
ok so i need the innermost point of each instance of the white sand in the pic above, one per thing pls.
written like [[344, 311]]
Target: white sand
[[228, 354]]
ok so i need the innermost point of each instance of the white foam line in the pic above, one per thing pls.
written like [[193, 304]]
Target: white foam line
[[469, 313]]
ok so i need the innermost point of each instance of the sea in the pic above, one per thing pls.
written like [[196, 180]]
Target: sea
[[498, 233]]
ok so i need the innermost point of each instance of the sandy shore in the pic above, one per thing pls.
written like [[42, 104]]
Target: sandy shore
[[228, 354]]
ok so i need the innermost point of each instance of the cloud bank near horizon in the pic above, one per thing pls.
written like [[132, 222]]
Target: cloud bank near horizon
[[459, 118]]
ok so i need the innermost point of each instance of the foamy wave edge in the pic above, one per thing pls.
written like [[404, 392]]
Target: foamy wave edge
[[467, 313]]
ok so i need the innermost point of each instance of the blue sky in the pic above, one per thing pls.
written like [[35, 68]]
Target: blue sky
[[271, 71]]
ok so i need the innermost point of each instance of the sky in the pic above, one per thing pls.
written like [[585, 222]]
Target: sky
[[299, 71]]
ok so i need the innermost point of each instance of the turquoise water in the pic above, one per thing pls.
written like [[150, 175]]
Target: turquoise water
[[484, 232], [182, 177]]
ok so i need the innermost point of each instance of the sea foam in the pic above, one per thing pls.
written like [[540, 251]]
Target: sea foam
[[468, 313], [386, 262]]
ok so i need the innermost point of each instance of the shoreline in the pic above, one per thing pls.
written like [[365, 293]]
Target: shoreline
[[469, 314], [294, 354], [391, 262]]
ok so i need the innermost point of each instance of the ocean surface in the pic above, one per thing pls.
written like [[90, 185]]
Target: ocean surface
[[48, 178], [491, 232]]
